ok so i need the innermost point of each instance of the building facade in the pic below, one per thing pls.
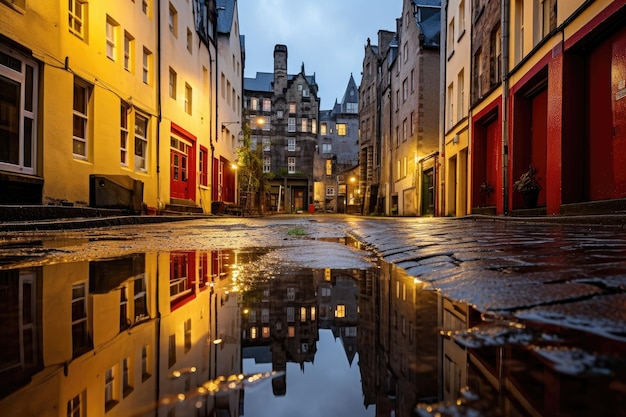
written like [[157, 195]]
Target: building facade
[[80, 73], [283, 114], [337, 151]]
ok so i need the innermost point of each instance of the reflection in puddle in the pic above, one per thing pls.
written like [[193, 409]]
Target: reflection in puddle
[[229, 333]]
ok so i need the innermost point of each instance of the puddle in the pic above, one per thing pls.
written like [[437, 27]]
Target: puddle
[[277, 331]]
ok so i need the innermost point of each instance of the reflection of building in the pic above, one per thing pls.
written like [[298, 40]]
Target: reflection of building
[[281, 314], [107, 336]]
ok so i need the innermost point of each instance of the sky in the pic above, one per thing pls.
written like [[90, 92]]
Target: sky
[[329, 36]]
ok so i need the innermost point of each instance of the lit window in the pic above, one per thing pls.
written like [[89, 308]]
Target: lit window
[[314, 126], [342, 129], [323, 129], [265, 332], [329, 167], [82, 94], [292, 108], [304, 125], [267, 104], [330, 192], [254, 103], [76, 16], [340, 311]]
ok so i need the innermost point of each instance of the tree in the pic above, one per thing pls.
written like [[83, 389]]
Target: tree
[[253, 182]]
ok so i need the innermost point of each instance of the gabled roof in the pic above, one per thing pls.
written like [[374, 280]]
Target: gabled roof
[[262, 82], [431, 28], [225, 15]]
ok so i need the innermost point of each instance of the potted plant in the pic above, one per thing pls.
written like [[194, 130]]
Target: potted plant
[[528, 185]]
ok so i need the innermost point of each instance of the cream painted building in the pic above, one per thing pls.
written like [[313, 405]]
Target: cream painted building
[[456, 59]]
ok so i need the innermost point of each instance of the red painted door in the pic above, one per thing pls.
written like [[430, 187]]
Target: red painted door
[[539, 146], [492, 161], [179, 166], [618, 99]]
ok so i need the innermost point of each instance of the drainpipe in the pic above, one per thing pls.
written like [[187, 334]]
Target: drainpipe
[[505, 103], [443, 47], [159, 115]]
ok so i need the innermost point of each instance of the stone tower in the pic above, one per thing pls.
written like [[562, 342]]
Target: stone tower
[[280, 70]]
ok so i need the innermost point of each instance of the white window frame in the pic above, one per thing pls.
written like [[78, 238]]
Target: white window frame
[[172, 83], [267, 164], [267, 104], [81, 116], [112, 27], [76, 17], [128, 51], [291, 165], [291, 124], [141, 144], [146, 66], [124, 108], [26, 76]]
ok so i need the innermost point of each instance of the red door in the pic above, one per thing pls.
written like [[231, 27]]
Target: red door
[[539, 144], [179, 165], [492, 161], [618, 99]]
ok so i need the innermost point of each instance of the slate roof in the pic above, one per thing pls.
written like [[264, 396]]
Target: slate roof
[[264, 81], [225, 16], [431, 28]]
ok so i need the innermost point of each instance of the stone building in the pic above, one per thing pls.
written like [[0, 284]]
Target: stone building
[[411, 144], [289, 108], [337, 149]]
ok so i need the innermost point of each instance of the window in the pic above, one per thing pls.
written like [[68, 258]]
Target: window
[[405, 89], [291, 124], [412, 81], [304, 125], [76, 407], [189, 40], [188, 98], [223, 86], [124, 322], [187, 335], [314, 126], [478, 73], [303, 314], [340, 311], [145, 7], [330, 192], [140, 298], [290, 314], [460, 93], [292, 108], [18, 112], [127, 377], [129, 46], [204, 167], [267, 164], [450, 38], [291, 293], [265, 315], [147, 65], [412, 124], [82, 95], [76, 15], [496, 55], [267, 123], [171, 356], [265, 332], [291, 165], [267, 104], [145, 364], [111, 38], [327, 147], [172, 20], [329, 167], [141, 142], [291, 144], [266, 144], [342, 129], [405, 51], [80, 331], [173, 77], [254, 333], [352, 108], [323, 129], [519, 30], [450, 105], [461, 18], [279, 114], [405, 130], [124, 109]]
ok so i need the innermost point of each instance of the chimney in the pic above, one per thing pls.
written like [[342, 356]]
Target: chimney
[[280, 69]]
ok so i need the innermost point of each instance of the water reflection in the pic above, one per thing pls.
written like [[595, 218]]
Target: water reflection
[[193, 332]]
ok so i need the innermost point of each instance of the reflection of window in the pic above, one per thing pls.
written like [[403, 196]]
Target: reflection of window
[[145, 369], [340, 311], [80, 330], [124, 322], [140, 298], [171, 357], [187, 335]]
